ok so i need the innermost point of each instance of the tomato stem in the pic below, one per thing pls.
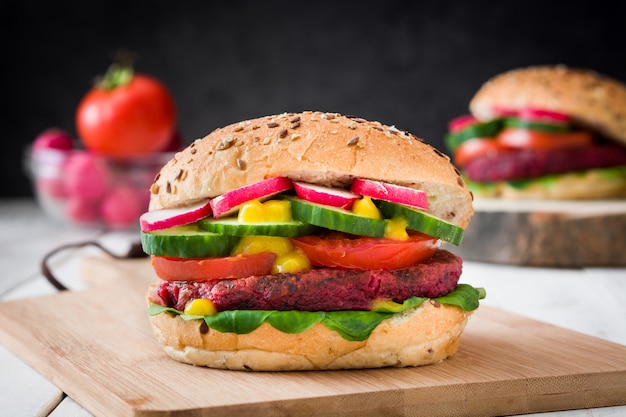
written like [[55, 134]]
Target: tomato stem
[[119, 73]]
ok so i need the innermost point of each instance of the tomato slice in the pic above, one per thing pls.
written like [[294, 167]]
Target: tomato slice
[[533, 139], [238, 266], [367, 252], [476, 147]]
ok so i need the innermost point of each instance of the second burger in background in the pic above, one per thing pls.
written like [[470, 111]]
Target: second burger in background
[[544, 152], [546, 132]]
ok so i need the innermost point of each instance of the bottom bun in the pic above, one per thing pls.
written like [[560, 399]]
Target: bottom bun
[[583, 185], [419, 336]]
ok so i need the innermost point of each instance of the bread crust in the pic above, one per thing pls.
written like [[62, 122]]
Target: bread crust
[[592, 100], [422, 335], [321, 148]]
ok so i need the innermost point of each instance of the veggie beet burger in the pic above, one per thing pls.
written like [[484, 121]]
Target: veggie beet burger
[[308, 241], [544, 132]]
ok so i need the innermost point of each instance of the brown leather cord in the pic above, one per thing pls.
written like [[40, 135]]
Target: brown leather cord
[[134, 252]]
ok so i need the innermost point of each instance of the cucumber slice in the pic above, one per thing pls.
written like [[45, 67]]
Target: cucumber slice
[[479, 130], [187, 242], [542, 126], [335, 218], [233, 227], [423, 222]]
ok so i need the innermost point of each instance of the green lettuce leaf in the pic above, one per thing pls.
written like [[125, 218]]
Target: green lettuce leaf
[[294, 321], [354, 325]]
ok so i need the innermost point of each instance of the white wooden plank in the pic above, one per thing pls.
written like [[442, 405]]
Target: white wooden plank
[[23, 391]]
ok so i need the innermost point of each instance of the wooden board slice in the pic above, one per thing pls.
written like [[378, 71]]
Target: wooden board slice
[[546, 233]]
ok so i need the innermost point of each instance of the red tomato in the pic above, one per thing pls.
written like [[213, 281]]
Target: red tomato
[[239, 266], [533, 139], [134, 117], [476, 147], [367, 252]]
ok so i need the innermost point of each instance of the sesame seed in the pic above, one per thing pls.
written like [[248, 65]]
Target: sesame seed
[[225, 144], [272, 124], [283, 133], [241, 164], [295, 119], [352, 141]]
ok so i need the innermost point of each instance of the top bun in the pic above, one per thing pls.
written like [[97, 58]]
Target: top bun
[[592, 100], [315, 147]]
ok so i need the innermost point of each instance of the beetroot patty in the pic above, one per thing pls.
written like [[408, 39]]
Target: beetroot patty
[[529, 163], [318, 289]]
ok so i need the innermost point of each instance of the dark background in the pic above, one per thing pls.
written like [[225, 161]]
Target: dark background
[[414, 65]]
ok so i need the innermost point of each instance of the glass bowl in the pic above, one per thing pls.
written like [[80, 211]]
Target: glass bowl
[[81, 188]]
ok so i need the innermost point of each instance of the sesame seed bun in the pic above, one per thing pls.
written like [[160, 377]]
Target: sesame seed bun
[[325, 149], [423, 335], [320, 148], [591, 100]]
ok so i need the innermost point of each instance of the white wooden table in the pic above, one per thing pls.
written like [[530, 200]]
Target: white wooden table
[[590, 301]]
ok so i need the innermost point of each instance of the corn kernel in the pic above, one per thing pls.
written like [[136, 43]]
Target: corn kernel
[[365, 207], [258, 244], [200, 307], [396, 228], [291, 262]]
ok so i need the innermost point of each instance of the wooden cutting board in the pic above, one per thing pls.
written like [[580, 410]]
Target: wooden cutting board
[[96, 345]]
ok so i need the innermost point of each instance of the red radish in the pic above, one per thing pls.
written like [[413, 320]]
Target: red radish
[[121, 207], [390, 192], [166, 218], [537, 115], [230, 202], [54, 138], [81, 211], [325, 195], [86, 176], [461, 122]]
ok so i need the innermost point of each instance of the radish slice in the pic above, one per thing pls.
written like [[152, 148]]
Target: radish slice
[[328, 196], [166, 218], [538, 115], [390, 192], [499, 111], [461, 122], [229, 203]]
